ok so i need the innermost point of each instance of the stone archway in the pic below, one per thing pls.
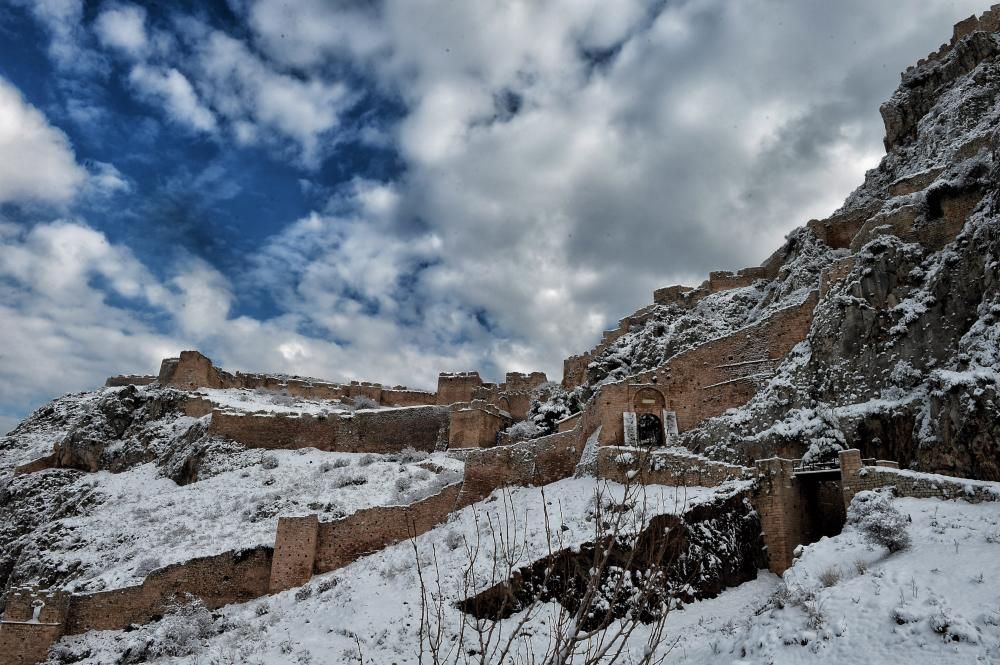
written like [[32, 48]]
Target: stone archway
[[649, 400]]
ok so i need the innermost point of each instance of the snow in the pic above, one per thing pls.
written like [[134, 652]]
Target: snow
[[238, 399], [376, 600], [933, 603], [36, 436], [145, 521]]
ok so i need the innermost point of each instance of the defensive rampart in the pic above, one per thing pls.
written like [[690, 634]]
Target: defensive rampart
[[672, 466], [376, 431]]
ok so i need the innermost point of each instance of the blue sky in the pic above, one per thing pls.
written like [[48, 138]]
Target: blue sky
[[386, 190]]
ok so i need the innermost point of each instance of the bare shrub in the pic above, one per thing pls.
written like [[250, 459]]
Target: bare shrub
[[349, 480], [409, 455], [830, 576], [362, 402], [878, 520], [523, 431], [404, 483], [620, 590], [338, 463], [860, 566], [179, 633], [269, 461], [367, 459]]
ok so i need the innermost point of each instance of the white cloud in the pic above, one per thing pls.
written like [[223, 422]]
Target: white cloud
[[55, 280], [36, 159], [561, 160], [259, 100], [106, 180], [123, 27], [61, 18], [171, 88]]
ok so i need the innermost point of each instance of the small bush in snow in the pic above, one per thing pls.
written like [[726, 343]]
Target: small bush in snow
[[878, 520], [269, 461], [367, 459], [523, 431], [454, 539], [179, 633], [338, 463], [860, 566], [410, 455], [347, 481], [404, 483], [830, 576], [303, 593], [362, 402]]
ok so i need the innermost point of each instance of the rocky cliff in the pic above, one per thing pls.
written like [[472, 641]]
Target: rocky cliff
[[902, 357]]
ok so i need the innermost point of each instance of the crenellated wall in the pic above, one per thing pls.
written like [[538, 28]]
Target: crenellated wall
[[457, 387]]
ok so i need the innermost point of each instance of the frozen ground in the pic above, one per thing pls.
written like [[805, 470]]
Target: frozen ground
[[375, 602], [238, 399], [844, 601], [35, 437], [145, 521]]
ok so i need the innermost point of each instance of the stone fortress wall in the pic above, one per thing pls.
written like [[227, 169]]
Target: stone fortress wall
[[192, 370], [575, 367], [695, 385], [376, 431]]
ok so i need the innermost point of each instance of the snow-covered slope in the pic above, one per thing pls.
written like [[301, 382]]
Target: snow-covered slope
[[844, 600]]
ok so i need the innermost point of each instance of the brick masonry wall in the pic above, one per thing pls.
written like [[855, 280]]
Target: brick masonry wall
[[780, 505], [402, 397], [375, 431], [473, 428], [196, 407], [233, 577], [575, 370], [279, 431], [707, 380], [294, 552], [371, 530], [391, 430], [837, 231], [835, 272], [914, 183], [723, 280], [857, 477], [534, 462], [27, 643], [193, 370], [664, 467], [129, 380], [457, 387]]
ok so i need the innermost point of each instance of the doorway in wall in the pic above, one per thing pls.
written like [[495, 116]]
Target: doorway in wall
[[649, 430]]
